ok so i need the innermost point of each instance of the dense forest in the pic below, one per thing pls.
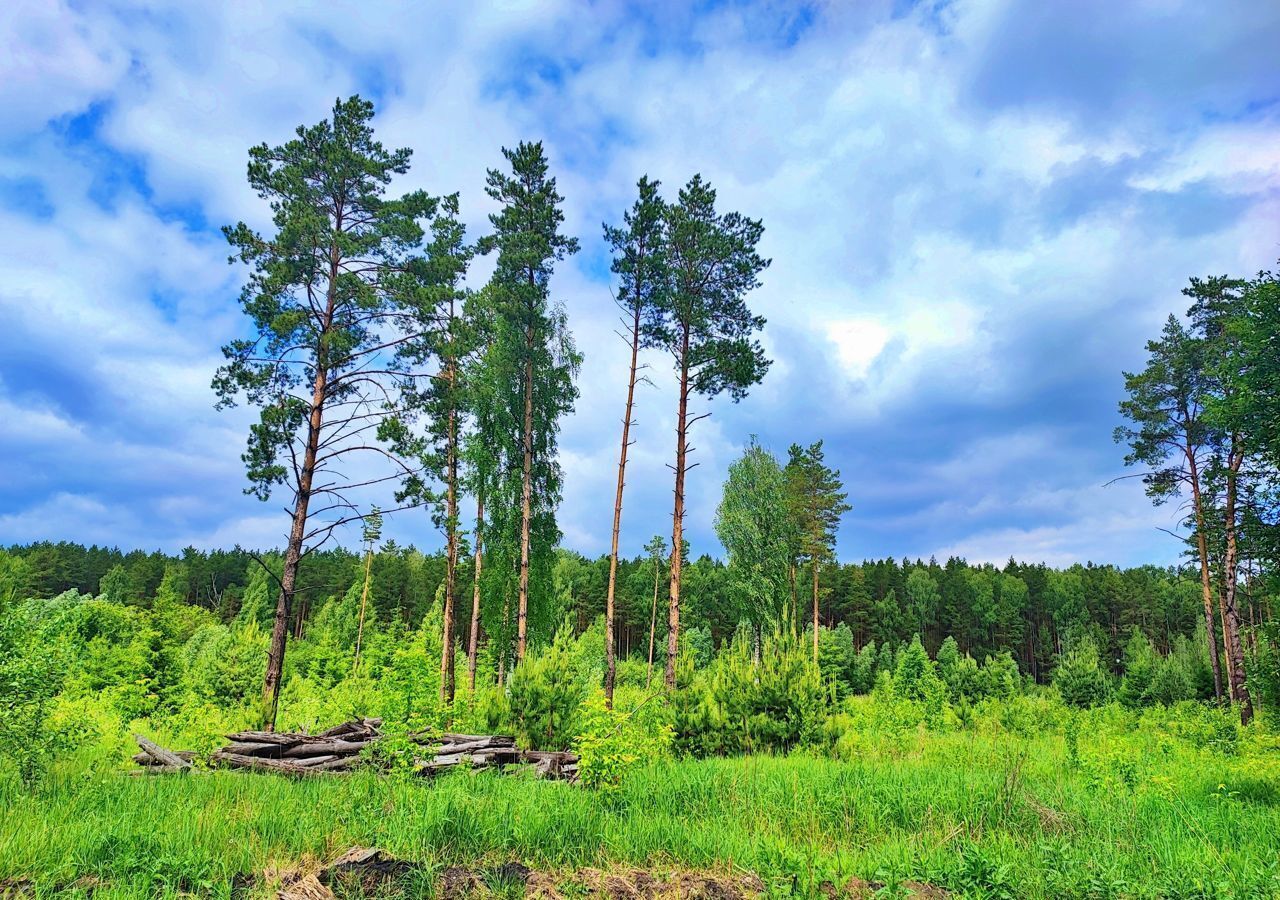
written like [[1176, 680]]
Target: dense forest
[[1022, 608]]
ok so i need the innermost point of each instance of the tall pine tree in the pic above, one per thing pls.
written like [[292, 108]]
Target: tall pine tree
[[323, 296], [709, 332], [533, 361]]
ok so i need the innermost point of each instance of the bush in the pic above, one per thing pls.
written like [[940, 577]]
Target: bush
[[737, 706], [544, 695], [1079, 677], [611, 742]]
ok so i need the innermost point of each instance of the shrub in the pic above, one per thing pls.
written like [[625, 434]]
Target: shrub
[[738, 706], [1079, 677], [611, 742], [544, 695]]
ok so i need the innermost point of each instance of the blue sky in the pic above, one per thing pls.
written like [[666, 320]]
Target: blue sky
[[977, 213]]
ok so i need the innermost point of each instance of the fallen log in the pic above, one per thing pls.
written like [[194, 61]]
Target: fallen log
[[160, 754], [239, 761], [312, 761], [156, 769], [316, 748], [144, 759], [264, 737]]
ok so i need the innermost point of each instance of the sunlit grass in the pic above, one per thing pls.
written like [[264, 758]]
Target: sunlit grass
[[982, 815]]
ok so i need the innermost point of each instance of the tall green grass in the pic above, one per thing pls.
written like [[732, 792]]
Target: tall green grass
[[982, 815]]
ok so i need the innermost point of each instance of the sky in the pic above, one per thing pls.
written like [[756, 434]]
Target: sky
[[977, 213]]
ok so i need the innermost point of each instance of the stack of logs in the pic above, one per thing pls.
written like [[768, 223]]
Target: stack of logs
[[339, 750]]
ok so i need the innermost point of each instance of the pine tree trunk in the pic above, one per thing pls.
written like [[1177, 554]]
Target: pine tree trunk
[[473, 644], [451, 550], [1231, 617], [677, 518], [526, 502], [815, 610], [653, 621], [611, 664], [298, 528], [1206, 586]]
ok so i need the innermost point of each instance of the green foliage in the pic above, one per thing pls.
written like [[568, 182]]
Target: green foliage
[[1079, 677], [754, 525], [614, 742], [738, 706], [544, 695]]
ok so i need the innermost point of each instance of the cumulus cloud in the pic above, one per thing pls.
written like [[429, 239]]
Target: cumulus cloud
[[977, 212]]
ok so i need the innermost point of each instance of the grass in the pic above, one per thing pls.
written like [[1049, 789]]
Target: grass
[[982, 815]]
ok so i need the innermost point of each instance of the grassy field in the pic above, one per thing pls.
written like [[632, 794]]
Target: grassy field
[[977, 814]]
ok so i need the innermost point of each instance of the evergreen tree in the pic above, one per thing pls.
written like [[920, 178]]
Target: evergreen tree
[[442, 333], [817, 502], [322, 293], [639, 260], [533, 358], [709, 331]]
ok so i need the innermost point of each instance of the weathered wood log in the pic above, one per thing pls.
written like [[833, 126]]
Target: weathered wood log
[[355, 726], [156, 769], [449, 737], [312, 761], [255, 748], [471, 746], [160, 754], [334, 745], [340, 764], [264, 737], [239, 761], [144, 759]]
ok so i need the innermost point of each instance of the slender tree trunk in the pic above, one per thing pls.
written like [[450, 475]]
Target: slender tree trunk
[[526, 502], [451, 550], [364, 599], [1231, 617], [1206, 586], [298, 528], [473, 644], [794, 617], [815, 610], [677, 517], [611, 664], [653, 622]]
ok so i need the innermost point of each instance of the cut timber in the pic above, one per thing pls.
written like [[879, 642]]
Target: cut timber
[[318, 748], [237, 761], [247, 748], [264, 737], [312, 761], [161, 755], [144, 759]]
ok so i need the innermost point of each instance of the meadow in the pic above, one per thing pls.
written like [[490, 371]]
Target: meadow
[[1027, 800]]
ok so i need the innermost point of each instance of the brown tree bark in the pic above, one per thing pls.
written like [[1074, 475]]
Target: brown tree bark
[[611, 663], [815, 611], [677, 525], [298, 528], [447, 678], [473, 644], [1231, 616], [526, 502], [1206, 585], [653, 622]]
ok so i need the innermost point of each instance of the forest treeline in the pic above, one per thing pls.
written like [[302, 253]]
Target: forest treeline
[[1029, 610]]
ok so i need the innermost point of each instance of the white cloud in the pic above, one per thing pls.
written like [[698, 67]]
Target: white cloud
[[924, 287]]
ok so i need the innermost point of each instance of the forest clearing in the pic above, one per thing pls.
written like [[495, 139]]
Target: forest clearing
[[464, 494], [995, 810]]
